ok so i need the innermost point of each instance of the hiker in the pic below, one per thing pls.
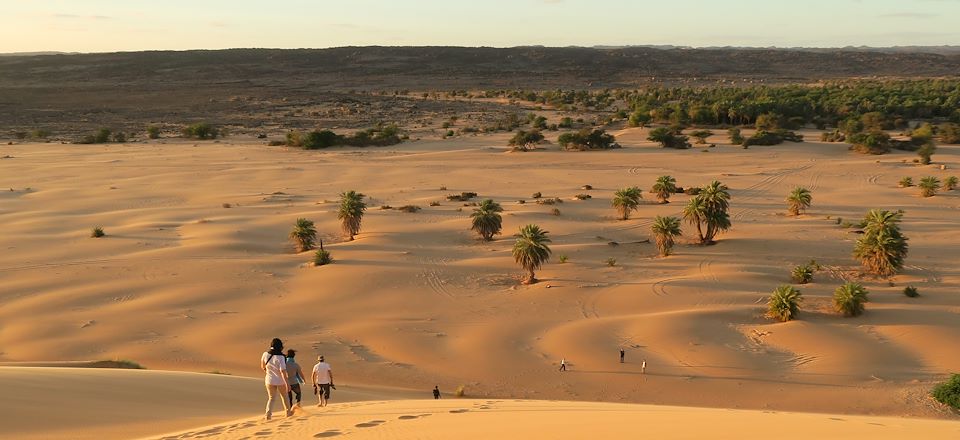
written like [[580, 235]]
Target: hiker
[[436, 392], [643, 367], [274, 367], [622, 354], [295, 376], [322, 378], [563, 365]]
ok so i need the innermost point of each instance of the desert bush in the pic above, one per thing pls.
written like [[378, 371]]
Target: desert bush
[[849, 299], [692, 191], [563, 259], [799, 200], [949, 133], [409, 208], [153, 132], [911, 291], [929, 186], [587, 187], [610, 262], [701, 135], [948, 393], [40, 134], [462, 197], [303, 235], [882, 248], [537, 195], [549, 201], [461, 391], [119, 137], [226, 205], [322, 258], [587, 139], [833, 136], [871, 143], [736, 138], [555, 212], [950, 183], [668, 139], [926, 152], [583, 196], [97, 232], [802, 274], [201, 130], [434, 203], [906, 182], [524, 140], [777, 137], [385, 207], [784, 303]]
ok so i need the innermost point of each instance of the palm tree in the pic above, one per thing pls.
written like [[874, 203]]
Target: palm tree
[[716, 202], [486, 219], [929, 186], [882, 248], [799, 200], [665, 186], [531, 250], [784, 303], [849, 298], [665, 229], [694, 213], [351, 212], [626, 200], [303, 234]]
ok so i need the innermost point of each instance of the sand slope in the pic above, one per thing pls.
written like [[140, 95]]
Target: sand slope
[[87, 403], [507, 419], [183, 283]]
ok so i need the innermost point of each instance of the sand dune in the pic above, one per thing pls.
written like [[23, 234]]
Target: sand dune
[[483, 419], [183, 283]]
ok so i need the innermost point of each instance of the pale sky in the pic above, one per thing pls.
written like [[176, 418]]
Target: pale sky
[[126, 25]]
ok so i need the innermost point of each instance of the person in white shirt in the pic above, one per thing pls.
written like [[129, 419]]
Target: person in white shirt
[[274, 366], [322, 378]]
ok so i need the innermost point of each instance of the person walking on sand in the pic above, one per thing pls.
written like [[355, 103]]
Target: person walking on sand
[[436, 392], [563, 364], [295, 375], [322, 378], [643, 367], [274, 367], [622, 354]]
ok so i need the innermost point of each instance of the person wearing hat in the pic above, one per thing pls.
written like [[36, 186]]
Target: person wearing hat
[[322, 378], [295, 375], [274, 366]]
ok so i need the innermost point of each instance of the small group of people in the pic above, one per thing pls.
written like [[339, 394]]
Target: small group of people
[[623, 355], [284, 377]]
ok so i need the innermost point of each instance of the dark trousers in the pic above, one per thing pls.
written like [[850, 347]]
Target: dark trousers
[[294, 389]]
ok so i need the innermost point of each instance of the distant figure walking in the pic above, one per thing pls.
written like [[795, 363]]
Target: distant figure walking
[[274, 367], [563, 365], [322, 378], [622, 354], [295, 376], [643, 367], [436, 392]]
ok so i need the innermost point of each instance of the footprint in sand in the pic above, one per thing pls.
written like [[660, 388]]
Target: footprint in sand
[[407, 417], [459, 411], [330, 433], [263, 433], [370, 424]]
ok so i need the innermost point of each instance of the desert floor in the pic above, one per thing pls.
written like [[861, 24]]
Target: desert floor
[[181, 282]]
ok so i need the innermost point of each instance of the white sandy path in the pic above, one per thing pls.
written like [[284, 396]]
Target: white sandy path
[[510, 419]]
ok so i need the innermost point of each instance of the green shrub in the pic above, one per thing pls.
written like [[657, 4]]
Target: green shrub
[[201, 130], [736, 138], [776, 137], [563, 259], [587, 139], [153, 132], [610, 262], [668, 139], [583, 196], [948, 393], [950, 183], [555, 212], [322, 258], [97, 232], [802, 274], [784, 303], [408, 208], [40, 134], [906, 182], [911, 291], [524, 140], [849, 299]]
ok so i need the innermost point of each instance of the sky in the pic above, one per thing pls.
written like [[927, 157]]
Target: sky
[[130, 25]]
